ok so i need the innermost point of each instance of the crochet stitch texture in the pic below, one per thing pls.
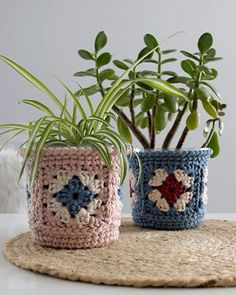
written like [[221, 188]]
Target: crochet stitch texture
[[74, 202], [171, 193]]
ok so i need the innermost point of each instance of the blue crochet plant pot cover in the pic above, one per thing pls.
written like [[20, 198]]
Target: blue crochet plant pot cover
[[172, 191]]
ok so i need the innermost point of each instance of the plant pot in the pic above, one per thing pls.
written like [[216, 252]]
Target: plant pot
[[172, 190], [74, 201]]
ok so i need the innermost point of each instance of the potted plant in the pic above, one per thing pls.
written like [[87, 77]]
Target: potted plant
[[75, 164], [170, 191]]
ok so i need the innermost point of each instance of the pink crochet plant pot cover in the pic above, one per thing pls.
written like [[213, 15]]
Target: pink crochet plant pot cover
[[74, 201]]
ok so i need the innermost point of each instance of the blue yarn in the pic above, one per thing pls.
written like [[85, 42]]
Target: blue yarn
[[120, 193], [145, 213], [74, 195]]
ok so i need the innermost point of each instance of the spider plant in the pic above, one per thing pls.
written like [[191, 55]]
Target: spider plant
[[72, 126]]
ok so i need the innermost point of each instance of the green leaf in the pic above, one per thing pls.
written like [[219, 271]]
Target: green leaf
[[119, 64], [170, 116], [211, 53], [89, 90], [123, 101], [85, 74], [168, 60], [33, 80], [168, 51], [171, 103], [101, 148], [144, 123], [209, 108], [205, 42], [203, 93], [85, 54], [150, 41], [211, 75], [38, 150], [143, 52], [30, 143], [42, 107], [137, 102], [10, 139], [75, 100], [169, 73], [214, 145], [124, 130], [179, 79], [193, 120], [103, 59], [106, 74], [212, 88], [139, 118], [130, 61], [190, 55], [188, 66], [148, 73], [160, 120], [148, 103], [212, 59], [149, 60], [163, 86], [84, 93], [100, 41]]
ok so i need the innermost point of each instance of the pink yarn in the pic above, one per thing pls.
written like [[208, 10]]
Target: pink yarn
[[102, 227]]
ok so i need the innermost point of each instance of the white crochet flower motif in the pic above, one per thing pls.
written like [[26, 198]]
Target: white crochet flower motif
[[132, 184], [94, 185], [57, 184], [60, 211], [84, 215], [171, 190], [204, 194]]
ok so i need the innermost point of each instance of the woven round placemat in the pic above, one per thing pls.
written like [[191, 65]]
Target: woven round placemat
[[205, 256]]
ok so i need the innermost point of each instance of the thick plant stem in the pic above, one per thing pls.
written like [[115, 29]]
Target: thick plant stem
[[153, 131], [137, 133], [131, 105], [182, 138], [174, 128], [149, 124]]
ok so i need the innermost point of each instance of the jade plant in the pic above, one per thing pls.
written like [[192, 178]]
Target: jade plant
[[73, 126], [145, 110]]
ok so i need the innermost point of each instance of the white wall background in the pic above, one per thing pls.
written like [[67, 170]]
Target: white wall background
[[44, 37]]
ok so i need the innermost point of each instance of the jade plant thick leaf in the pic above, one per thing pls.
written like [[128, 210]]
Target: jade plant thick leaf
[[148, 102], [73, 127]]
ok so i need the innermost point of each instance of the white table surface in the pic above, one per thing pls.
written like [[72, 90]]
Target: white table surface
[[14, 280]]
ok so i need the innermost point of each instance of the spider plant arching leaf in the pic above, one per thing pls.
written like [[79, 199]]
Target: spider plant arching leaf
[[17, 126], [164, 86], [75, 100], [33, 80], [101, 148], [87, 98], [120, 148], [10, 139], [39, 105], [38, 150], [30, 144]]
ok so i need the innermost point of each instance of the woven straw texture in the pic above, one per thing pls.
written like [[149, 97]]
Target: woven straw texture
[[204, 256]]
